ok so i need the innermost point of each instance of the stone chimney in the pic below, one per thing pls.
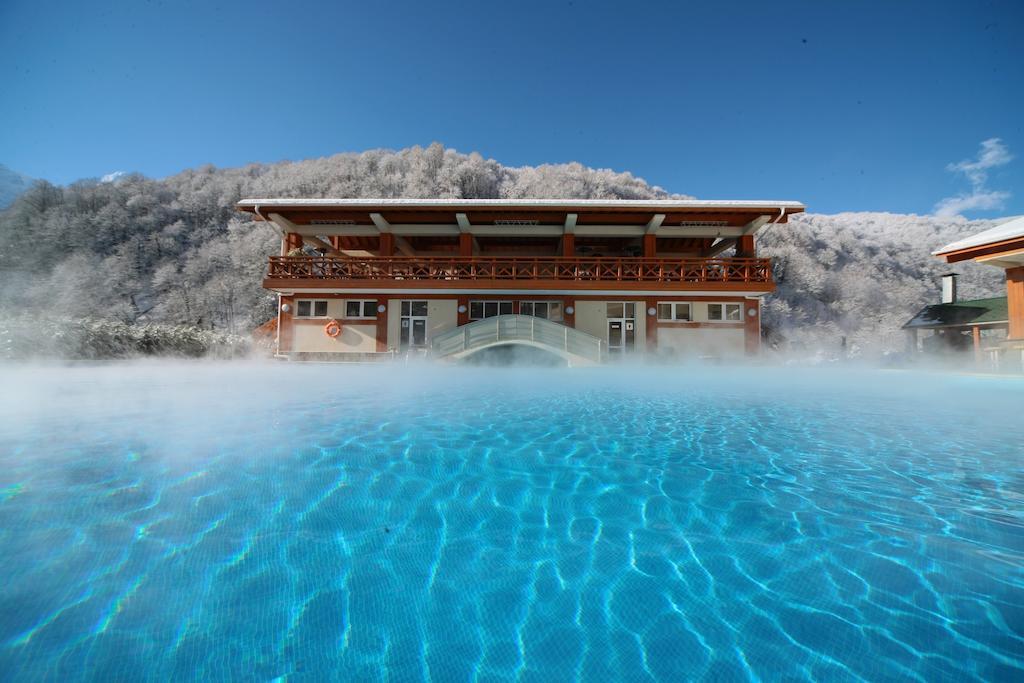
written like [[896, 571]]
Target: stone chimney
[[949, 288]]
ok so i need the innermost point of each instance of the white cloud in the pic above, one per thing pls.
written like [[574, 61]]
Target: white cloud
[[112, 177], [993, 153]]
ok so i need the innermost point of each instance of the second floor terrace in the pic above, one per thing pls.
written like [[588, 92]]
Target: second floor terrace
[[688, 245], [521, 272]]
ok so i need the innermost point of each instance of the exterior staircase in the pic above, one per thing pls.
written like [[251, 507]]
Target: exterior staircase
[[578, 348]]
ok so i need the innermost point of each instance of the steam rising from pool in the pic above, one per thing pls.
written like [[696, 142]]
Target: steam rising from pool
[[199, 520]]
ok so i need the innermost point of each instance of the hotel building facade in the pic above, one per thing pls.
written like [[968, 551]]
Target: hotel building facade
[[587, 280]]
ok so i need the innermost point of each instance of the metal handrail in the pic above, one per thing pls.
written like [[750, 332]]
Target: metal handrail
[[512, 328]]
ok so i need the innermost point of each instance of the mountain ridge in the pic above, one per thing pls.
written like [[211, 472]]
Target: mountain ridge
[[175, 250]]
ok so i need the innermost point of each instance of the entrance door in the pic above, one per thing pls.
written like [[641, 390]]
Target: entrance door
[[414, 325], [621, 327]]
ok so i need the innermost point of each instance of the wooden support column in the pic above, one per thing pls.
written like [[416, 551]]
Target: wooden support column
[[752, 326], [745, 246], [382, 324], [568, 245], [465, 244], [650, 245], [463, 318], [569, 318], [652, 324], [285, 325], [292, 240], [387, 244], [1015, 301], [976, 338]]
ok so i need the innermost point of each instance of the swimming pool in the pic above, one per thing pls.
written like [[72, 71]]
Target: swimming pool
[[246, 521]]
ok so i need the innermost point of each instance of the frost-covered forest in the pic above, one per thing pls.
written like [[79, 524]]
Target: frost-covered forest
[[174, 251]]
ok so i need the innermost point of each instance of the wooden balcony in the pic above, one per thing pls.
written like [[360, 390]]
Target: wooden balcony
[[484, 272]]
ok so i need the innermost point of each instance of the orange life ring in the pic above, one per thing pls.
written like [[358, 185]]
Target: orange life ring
[[332, 329]]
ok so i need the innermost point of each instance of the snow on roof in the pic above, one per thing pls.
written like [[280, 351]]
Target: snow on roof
[[595, 203], [1012, 229]]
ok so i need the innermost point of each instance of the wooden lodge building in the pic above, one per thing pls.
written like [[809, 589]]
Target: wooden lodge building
[[587, 280], [1000, 247]]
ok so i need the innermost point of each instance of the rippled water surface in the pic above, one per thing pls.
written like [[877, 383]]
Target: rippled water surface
[[253, 522]]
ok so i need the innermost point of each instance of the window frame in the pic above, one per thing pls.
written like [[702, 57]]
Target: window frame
[[312, 309], [674, 311], [725, 307], [549, 304], [483, 307], [364, 305]]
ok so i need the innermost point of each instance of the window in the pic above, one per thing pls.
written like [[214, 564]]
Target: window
[[619, 309], [414, 308], [552, 310], [360, 309], [478, 310], [310, 309], [674, 311], [725, 312]]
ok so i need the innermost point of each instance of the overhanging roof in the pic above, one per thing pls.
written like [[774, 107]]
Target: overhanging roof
[[991, 311], [666, 217], [1006, 239]]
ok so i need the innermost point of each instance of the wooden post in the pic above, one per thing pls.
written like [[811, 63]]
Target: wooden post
[[569, 318], [1015, 301], [745, 247], [465, 244], [568, 245], [382, 324], [752, 326], [652, 323], [650, 246], [976, 336], [463, 318], [292, 240], [285, 328], [387, 244]]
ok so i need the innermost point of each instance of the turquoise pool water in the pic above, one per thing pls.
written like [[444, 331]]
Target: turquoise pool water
[[253, 522]]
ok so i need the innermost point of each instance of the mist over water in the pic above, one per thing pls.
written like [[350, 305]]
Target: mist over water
[[206, 521]]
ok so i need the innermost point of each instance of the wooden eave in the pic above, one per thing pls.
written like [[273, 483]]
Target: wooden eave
[[541, 215], [982, 250]]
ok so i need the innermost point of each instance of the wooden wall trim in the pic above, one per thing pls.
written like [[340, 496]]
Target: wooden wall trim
[[1015, 301]]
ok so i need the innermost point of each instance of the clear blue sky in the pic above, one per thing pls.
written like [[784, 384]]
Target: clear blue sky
[[843, 105]]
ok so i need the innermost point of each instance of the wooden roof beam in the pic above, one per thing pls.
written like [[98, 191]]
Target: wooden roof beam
[[755, 225], [286, 226], [719, 247], [654, 224]]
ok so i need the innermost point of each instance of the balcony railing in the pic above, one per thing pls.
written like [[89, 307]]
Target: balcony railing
[[477, 268]]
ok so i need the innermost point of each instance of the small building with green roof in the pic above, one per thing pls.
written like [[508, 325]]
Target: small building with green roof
[[960, 325]]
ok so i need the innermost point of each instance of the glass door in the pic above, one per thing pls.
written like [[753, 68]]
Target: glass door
[[621, 327], [414, 325]]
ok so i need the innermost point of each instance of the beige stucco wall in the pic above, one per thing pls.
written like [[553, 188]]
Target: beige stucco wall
[[394, 323], [442, 315], [591, 318], [701, 341], [309, 337]]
